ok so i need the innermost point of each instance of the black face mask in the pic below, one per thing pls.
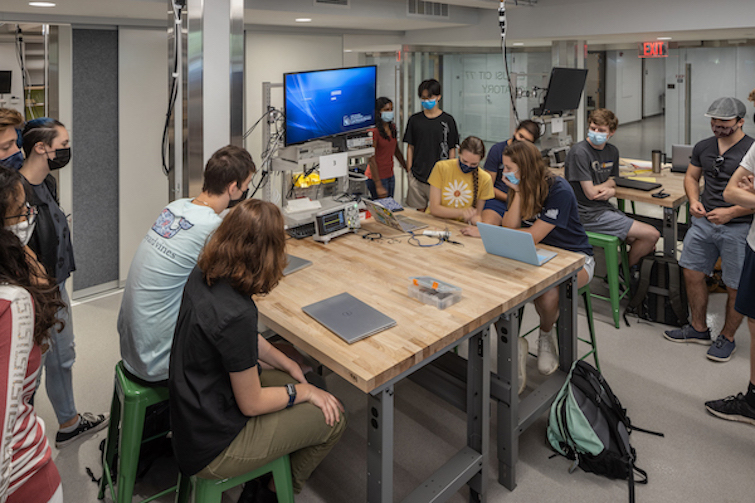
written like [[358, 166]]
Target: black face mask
[[62, 157], [234, 202]]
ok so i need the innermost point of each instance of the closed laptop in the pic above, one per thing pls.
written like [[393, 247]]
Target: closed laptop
[[348, 317]]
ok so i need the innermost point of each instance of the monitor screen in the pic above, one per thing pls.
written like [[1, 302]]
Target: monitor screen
[[564, 90], [329, 102], [5, 81]]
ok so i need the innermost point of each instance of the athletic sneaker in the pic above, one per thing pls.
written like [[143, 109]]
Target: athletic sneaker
[[688, 334], [547, 353], [733, 408], [524, 349], [722, 349], [88, 423]]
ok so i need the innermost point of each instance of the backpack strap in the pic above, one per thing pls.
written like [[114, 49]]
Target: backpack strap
[[646, 267], [643, 430], [675, 291]]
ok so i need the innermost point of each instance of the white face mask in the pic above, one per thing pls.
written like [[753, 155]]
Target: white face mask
[[23, 230]]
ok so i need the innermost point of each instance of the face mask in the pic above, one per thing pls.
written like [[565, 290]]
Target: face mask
[[23, 230], [62, 156], [234, 202], [511, 177], [428, 104], [465, 168], [597, 138], [386, 116], [14, 161], [723, 131]]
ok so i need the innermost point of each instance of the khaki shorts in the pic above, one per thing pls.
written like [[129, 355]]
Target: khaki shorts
[[418, 194]]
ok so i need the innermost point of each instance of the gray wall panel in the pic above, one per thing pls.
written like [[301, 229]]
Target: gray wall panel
[[94, 136]]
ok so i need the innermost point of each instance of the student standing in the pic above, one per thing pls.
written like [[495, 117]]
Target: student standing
[[381, 182], [432, 136], [47, 147], [236, 402], [459, 187], [719, 228], [527, 130], [590, 167], [543, 205]]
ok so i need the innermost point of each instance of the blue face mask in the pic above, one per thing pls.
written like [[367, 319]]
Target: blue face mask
[[511, 177], [387, 116], [596, 138], [14, 161], [428, 104], [465, 168]]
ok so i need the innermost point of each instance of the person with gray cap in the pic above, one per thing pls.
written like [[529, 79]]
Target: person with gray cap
[[719, 228]]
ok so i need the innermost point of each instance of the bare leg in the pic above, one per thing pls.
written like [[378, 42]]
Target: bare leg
[[697, 295], [733, 318], [547, 304], [641, 239]]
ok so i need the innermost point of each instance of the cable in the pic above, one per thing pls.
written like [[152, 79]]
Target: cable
[[502, 24], [174, 83]]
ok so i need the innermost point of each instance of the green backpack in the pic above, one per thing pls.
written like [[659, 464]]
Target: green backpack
[[588, 425]]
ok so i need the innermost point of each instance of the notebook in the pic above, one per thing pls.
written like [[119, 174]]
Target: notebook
[[348, 317], [390, 203], [680, 157], [513, 244], [294, 264], [636, 184], [387, 217]]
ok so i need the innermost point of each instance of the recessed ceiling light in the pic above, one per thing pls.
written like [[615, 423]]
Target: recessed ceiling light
[[303, 20], [518, 43], [664, 38], [348, 50], [42, 4]]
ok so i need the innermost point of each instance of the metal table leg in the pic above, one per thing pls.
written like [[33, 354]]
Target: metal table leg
[[670, 233], [507, 331], [380, 447], [478, 411], [567, 323]]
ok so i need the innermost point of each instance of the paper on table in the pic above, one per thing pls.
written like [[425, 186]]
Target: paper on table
[[642, 164], [643, 178]]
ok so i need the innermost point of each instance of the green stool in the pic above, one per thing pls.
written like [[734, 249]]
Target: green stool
[[612, 246], [211, 491], [128, 409], [585, 293]]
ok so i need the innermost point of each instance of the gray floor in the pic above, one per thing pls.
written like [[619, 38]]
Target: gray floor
[[662, 384], [636, 140]]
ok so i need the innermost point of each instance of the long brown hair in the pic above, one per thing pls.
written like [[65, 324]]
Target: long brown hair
[[248, 249], [535, 178], [474, 145]]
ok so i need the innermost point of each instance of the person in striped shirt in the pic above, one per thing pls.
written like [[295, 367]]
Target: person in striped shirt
[[29, 301]]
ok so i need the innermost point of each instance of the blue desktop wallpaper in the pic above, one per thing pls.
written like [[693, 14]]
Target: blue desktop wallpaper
[[329, 102]]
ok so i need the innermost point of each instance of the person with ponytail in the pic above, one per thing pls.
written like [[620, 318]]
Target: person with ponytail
[[543, 205], [29, 303], [47, 148], [527, 130], [459, 187], [380, 179]]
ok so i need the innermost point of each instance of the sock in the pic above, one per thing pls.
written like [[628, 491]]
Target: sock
[[750, 396], [71, 428], [543, 333]]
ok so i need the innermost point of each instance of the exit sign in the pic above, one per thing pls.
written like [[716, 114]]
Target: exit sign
[[657, 49]]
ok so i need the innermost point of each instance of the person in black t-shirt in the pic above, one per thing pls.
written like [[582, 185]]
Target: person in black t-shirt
[[236, 402], [719, 228], [432, 136]]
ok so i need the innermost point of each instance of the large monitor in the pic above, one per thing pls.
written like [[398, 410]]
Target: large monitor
[[329, 102], [5, 81], [564, 90]]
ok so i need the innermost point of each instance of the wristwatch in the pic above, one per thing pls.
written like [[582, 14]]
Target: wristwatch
[[291, 389]]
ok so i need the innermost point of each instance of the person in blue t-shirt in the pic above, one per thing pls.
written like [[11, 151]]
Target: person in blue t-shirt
[[545, 206], [527, 130]]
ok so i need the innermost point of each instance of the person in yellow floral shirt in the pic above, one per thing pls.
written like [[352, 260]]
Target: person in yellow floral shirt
[[459, 187]]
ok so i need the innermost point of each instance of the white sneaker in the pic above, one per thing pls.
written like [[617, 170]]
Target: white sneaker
[[547, 353], [524, 349]]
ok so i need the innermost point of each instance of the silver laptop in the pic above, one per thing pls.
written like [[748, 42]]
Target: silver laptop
[[295, 263], [513, 244], [348, 317], [680, 157], [387, 217]]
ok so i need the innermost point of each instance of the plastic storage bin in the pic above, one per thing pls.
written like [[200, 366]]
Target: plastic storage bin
[[435, 292]]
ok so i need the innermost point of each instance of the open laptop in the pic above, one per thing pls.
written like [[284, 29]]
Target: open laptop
[[295, 263], [387, 217], [680, 157], [636, 184], [513, 244], [348, 317]]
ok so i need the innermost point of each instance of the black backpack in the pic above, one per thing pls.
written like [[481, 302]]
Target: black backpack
[[659, 295], [588, 425]]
